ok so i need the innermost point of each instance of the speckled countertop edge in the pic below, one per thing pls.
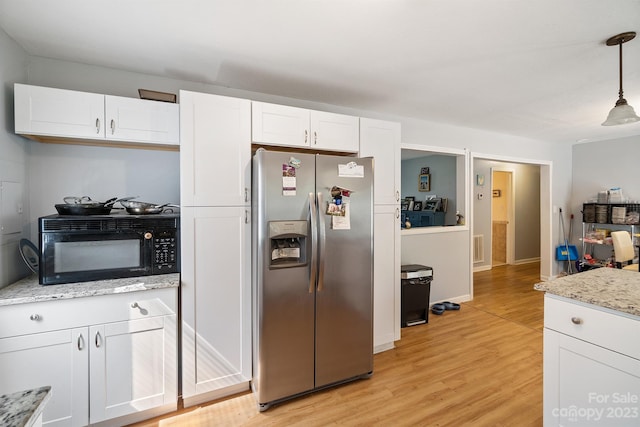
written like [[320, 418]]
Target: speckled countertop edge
[[605, 287], [28, 290], [23, 408]]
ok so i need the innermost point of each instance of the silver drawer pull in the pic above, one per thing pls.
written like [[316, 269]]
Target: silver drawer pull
[[98, 340], [35, 317], [80, 342], [143, 310], [576, 321]]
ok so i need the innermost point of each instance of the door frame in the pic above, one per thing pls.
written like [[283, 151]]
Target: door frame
[[546, 197]]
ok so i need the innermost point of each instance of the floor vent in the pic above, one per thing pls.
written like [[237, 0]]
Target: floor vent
[[478, 248]]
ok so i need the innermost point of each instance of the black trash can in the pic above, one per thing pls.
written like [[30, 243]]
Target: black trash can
[[415, 282]]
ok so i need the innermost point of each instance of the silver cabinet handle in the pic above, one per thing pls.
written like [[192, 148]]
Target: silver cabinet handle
[[98, 340], [246, 194], [397, 196], [576, 321], [35, 317], [315, 137], [246, 216], [80, 342], [113, 126], [306, 134], [397, 213], [97, 125]]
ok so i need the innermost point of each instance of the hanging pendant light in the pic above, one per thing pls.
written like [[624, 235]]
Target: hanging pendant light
[[622, 113]]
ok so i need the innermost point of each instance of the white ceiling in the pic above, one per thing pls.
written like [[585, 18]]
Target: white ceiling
[[533, 68]]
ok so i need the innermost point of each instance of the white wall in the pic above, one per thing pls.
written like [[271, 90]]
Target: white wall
[[599, 166], [13, 166]]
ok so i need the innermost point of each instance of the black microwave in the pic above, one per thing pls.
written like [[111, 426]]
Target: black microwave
[[75, 248]]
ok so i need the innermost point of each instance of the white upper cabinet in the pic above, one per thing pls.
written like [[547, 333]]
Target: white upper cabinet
[[215, 156], [335, 132], [140, 120], [58, 112], [381, 139], [286, 126], [59, 115]]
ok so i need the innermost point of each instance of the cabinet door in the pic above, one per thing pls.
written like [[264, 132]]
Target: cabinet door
[[140, 120], [386, 277], [58, 112], [381, 139], [59, 359], [215, 152], [132, 366], [282, 125], [335, 132], [582, 379], [216, 299]]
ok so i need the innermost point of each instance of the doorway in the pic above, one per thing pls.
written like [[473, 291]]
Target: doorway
[[530, 221]]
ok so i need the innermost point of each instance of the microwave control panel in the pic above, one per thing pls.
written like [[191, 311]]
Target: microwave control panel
[[165, 252]]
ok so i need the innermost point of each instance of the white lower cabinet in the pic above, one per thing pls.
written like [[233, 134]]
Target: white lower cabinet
[[122, 367], [216, 302], [127, 363], [591, 366], [58, 359], [386, 277]]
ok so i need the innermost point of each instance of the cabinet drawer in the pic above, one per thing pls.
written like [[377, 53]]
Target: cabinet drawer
[[46, 316], [593, 324]]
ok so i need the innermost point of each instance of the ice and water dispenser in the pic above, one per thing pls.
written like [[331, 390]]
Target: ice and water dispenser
[[288, 240]]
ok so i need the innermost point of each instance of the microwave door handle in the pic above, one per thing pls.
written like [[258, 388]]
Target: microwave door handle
[[313, 214], [321, 244]]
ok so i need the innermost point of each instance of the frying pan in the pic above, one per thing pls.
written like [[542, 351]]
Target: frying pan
[[144, 208], [84, 206]]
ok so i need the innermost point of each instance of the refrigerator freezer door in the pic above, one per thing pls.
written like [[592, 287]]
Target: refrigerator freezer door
[[344, 299], [283, 303]]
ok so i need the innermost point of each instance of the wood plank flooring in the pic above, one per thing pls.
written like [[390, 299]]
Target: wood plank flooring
[[480, 366]]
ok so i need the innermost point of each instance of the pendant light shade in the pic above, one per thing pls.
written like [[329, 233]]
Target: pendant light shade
[[622, 113]]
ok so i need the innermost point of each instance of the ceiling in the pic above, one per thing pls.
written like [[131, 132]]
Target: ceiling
[[537, 69]]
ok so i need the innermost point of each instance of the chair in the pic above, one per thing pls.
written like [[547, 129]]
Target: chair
[[624, 251]]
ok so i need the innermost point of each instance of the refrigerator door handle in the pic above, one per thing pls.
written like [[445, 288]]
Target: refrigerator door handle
[[313, 213], [322, 241]]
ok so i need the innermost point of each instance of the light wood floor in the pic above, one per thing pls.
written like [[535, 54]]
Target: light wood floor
[[480, 366]]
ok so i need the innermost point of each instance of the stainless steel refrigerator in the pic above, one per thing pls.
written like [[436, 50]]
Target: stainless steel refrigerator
[[312, 272]]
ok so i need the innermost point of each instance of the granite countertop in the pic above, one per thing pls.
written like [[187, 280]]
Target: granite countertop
[[611, 288], [22, 408], [29, 290]]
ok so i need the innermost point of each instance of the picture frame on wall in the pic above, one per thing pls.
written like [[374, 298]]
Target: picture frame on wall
[[424, 171], [424, 182]]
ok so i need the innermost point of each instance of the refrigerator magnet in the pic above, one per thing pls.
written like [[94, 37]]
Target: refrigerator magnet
[[294, 162], [335, 209], [288, 180], [342, 222], [351, 170]]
